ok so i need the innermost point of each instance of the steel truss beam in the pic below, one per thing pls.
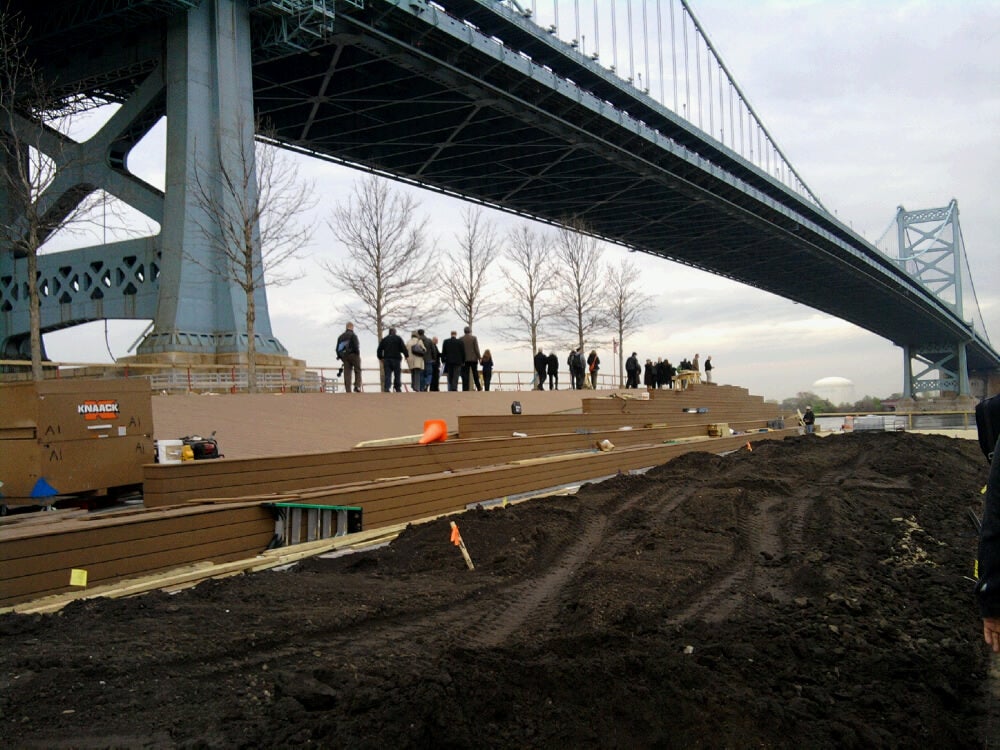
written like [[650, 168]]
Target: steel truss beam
[[939, 368], [202, 83]]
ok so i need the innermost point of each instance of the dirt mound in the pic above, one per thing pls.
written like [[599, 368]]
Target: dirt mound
[[810, 593]]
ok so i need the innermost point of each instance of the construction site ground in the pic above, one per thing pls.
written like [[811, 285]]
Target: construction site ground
[[811, 593]]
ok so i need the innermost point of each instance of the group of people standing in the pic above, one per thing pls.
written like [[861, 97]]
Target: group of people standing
[[580, 367], [661, 373], [460, 358], [425, 360]]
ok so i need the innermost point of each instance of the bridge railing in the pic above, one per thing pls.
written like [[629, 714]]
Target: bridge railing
[[270, 378]]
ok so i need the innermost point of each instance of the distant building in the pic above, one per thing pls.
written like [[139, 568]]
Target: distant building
[[835, 390]]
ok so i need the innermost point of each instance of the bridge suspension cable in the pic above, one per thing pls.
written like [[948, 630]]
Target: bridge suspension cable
[[727, 116]]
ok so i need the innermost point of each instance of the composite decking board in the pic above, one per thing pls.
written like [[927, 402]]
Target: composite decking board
[[284, 474], [82, 557], [470, 427], [385, 504], [81, 534], [53, 582], [32, 586]]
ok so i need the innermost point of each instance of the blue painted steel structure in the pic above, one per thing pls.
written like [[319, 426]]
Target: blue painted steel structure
[[470, 98]]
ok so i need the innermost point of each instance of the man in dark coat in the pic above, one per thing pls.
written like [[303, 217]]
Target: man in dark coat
[[453, 356], [577, 367], [436, 371], [649, 375], [349, 352], [390, 352], [632, 371], [553, 369], [541, 365], [472, 356]]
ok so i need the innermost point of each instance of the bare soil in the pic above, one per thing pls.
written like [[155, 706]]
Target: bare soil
[[811, 593]]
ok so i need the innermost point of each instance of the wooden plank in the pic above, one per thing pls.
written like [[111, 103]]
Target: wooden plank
[[83, 557], [368, 464], [40, 584], [83, 534]]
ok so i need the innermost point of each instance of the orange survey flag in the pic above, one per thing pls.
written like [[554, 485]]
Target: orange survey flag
[[456, 538]]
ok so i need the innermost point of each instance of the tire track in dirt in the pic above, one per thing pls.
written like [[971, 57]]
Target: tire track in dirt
[[761, 539], [536, 602], [532, 599]]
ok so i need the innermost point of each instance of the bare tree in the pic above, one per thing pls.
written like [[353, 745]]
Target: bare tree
[[626, 306], [531, 281], [478, 248], [34, 153], [580, 292], [253, 200], [388, 269]]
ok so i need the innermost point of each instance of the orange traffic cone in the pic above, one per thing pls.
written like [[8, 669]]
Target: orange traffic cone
[[435, 431]]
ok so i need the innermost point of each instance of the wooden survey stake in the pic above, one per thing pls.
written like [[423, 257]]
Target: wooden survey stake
[[456, 539]]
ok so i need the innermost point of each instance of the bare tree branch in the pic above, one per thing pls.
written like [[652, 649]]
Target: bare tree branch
[[252, 202], [627, 306], [388, 271], [478, 248], [531, 283], [580, 292]]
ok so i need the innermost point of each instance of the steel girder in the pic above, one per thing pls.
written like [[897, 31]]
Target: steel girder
[[203, 85], [409, 91]]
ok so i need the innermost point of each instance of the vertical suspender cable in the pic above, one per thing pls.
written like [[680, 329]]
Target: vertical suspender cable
[[687, 68], [751, 114], [711, 100], [659, 55], [631, 53], [673, 51], [576, 14], [555, 13], [697, 74], [732, 120], [597, 31], [645, 40], [722, 108], [614, 38]]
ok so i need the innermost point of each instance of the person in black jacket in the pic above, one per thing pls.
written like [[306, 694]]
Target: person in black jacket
[[649, 374], [453, 357], [390, 352], [632, 370], [553, 372], [593, 366], [809, 419], [541, 365], [988, 565], [349, 352]]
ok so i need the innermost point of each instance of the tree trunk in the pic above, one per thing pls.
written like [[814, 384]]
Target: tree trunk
[[251, 344], [35, 317]]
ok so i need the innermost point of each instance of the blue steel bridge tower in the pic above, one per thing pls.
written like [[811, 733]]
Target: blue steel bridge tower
[[191, 62]]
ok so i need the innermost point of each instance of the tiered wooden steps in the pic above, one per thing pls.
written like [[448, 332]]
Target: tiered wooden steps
[[219, 510], [728, 404]]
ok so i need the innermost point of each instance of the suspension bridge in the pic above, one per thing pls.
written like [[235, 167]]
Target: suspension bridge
[[619, 119]]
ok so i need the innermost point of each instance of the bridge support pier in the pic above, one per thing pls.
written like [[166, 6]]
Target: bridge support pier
[[203, 85], [939, 368]]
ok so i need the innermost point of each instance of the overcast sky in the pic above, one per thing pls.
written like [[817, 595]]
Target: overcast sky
[[875, 104]]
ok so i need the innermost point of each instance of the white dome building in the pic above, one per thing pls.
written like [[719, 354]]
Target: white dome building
[[835, 390]]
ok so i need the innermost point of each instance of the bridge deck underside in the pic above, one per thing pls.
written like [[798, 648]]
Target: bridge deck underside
[[474, 128], [427, 99]]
